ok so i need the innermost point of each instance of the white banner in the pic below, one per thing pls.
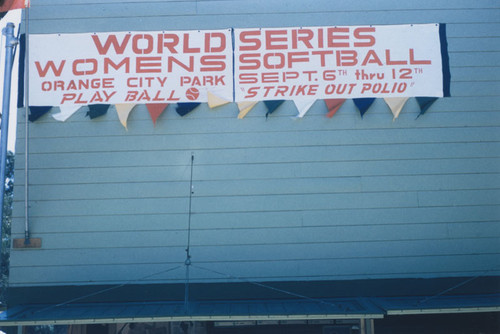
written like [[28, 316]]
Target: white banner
[[130, 67], [338, 62]]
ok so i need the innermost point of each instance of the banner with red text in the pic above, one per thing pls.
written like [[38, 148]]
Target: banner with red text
[[130, 67], [338, 62]]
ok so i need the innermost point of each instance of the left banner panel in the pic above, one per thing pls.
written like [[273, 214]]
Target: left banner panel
[[130, 67]]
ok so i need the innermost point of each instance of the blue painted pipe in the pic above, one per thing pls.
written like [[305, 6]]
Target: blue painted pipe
[[11, 42]]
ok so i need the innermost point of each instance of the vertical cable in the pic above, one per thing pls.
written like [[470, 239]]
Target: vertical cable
[[187, 263]]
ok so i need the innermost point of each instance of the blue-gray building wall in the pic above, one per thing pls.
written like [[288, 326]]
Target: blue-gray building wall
[[277, 198]]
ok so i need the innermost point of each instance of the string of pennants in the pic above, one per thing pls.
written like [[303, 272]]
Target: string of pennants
[[395, 104]]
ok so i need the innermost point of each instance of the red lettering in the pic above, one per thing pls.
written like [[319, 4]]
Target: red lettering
[[125, 62], [248, 58], [186, 47], [279, 56], [255, 43], [334, 34], [358, 34], [50, 65], [372, 58], [306, 38], [110, 40], [208, 42], [388, 60], [172, 60], [322, 55], [347, 58], [213, 63], [173, 41], [417, 62], [272, 42], [93, 69], [148, 65], [248, 78], [294, 57], [149, 44], [270, 77]]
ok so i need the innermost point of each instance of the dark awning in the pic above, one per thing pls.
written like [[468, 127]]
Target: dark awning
[[303, 309], [441, 304], [195, 311]]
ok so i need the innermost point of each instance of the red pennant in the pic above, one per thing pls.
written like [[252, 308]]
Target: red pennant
[[333, 105], [155, 110], [12, 4]]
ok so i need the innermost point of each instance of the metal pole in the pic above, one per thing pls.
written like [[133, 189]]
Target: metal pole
[[10, 43], [26, 129]]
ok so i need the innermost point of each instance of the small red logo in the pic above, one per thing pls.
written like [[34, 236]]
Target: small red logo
[[192, 93]]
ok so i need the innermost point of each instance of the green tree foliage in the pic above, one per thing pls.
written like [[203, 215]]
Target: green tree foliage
[[6, 224]]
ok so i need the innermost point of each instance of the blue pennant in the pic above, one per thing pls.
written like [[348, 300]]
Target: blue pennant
[[272, 105], [97, 110], [363, 104], [425, 103], [185, 108], [37, 112]]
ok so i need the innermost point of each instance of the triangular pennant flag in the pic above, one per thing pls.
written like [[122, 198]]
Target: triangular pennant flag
[[97, 110], [303, 106], [272, 105], [65, 112], [425, 103], [123, 110], [185, 108], [37, 112], [155, 110], [245, 107], [333, 105], [215, 101], [7, 5], [396, 104], [363, 104]]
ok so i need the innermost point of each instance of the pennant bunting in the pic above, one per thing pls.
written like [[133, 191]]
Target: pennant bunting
[[155, 110], [303, 106], [425, 103], [245, 107], [215, 101], [185, 108], [333, 105], [97, 110], [272, 105], [363, 104], [37, 112], [123, 110], [65, 112], [396, 104]]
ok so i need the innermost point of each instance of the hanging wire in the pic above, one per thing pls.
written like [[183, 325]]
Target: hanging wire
[[262, 285], [187, 263], [107, 289], [189, 210], [457, 286]]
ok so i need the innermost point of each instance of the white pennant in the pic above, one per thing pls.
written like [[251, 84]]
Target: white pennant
[[396, 104], [123, 110], [66, 112], [303, 106]]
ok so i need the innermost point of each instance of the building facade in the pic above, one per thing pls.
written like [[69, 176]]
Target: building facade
[[307, 219]]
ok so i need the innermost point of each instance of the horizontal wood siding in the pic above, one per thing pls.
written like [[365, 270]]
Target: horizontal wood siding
[[274, 198]]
